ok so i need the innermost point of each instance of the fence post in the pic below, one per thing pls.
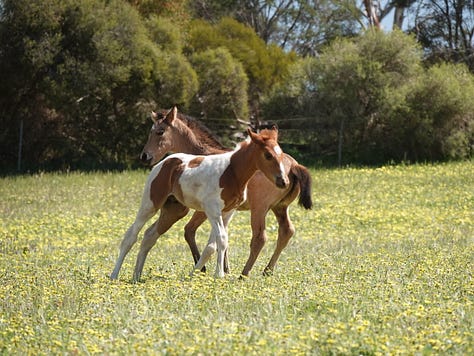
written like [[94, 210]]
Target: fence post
[[20, 146], [341, 138]]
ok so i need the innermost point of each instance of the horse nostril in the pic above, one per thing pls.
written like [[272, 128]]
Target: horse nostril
[[281, 183], [145, 158]]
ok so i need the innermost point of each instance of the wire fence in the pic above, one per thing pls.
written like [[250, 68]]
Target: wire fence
[[292, 130]]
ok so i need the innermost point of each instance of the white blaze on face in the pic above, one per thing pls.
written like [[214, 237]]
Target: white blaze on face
[[278, 150]]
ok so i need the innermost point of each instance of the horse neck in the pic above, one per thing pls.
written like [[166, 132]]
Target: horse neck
[[244, 163], [194, 142]]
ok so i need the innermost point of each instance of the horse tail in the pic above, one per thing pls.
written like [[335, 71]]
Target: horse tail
[[303, 178]]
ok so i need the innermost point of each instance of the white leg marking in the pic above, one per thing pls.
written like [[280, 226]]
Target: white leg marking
[[129, 239], [145, 212], [209, 250]]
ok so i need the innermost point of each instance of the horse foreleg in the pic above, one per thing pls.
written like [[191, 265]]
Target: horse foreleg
[[130, 237], [190, 234], [286, 230], [259, 238], [171, 212], [222, 244]]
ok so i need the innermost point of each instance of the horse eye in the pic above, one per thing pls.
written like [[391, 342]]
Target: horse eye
[[268, 155]]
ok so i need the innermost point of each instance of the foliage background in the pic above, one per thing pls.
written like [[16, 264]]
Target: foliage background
[[80, 77]]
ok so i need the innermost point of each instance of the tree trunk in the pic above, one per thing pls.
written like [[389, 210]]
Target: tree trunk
[[398, 17], [371, 12]]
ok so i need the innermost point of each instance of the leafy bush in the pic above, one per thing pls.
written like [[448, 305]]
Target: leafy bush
[[82, 75], [222, 85], [442, 109], [163, 33], [264, 65], [370, 100]]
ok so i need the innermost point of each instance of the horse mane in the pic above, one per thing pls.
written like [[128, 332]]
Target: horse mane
[[202, 133]]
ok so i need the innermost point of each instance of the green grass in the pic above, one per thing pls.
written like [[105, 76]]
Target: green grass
[[383, 264]]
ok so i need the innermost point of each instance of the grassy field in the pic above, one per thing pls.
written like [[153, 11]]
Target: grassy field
[[383, 264]]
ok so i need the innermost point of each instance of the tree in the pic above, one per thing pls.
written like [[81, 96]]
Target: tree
[[82, 75], [302, 26], [214, 10], [446, 30], [370, 100], [174, 81], [352, 85], [440, 121], [264, 65], [31, 40], [164, 34], [400, 8], [369, 79], [174, 9], [222, 85]]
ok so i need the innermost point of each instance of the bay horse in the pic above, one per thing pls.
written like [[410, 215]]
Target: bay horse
[[213, 184], [173, 133]]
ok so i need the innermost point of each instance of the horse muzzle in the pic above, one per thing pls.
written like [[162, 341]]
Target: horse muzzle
[[146, 158], [281, 182]]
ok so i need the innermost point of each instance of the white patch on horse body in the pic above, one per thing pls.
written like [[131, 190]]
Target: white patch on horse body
[[198, 184]]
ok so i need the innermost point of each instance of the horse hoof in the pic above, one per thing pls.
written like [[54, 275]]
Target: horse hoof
[[191, 274], [219, 275], [268, 272]]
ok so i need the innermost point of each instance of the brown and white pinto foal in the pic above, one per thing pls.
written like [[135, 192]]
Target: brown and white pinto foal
[[215, 185]]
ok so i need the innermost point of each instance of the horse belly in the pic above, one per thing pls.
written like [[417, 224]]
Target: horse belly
[[199, 193], [201, 200]]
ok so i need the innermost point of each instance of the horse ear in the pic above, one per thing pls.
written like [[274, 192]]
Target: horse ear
[[171, 115], [255, 137], [175, 112], [274, 130], [154, 117]]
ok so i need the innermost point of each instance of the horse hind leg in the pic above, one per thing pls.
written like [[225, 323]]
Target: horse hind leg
[[190, 235], [286, 230], [130, 237], [170, 213]]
